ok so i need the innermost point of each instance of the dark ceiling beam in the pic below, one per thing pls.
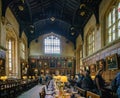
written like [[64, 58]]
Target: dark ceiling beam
[[29, 9], [71, 5], [82, 33], [33, 3], [5, 4], [86, 20], [74, 15], [63, 4], [75, 2], [43, 10], [45, 3], [21, 28], [66, 19], [96, 13], [36, 8]]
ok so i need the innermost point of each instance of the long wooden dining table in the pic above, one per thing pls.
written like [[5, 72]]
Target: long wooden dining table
[[53, 91]]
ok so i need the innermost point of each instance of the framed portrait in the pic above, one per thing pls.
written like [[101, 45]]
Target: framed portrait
[[59, 62], [32, 63], [100, 64], [40, 63], [52, 64], [63, 64], [112, 62], [70, 64], [2, 66], [2, 62]]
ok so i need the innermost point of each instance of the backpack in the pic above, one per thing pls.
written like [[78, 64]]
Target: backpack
[[114, 85]]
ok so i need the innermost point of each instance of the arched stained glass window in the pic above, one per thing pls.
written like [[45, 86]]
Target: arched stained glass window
[[52, 45]]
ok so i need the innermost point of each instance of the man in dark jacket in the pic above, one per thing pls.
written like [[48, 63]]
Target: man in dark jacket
[[87, 82]]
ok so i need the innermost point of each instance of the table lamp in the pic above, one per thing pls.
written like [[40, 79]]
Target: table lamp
[[24, 77], [63, 79], [3, 78]]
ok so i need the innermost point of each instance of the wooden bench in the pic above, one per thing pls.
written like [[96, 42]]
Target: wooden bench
[[81, 91], [92, 95]]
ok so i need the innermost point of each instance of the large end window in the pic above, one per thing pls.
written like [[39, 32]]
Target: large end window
[[52, 45]]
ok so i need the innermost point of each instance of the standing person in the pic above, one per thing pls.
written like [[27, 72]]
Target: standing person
[[99, 81]]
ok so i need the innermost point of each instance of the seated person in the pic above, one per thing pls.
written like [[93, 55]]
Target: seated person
[[100, 85], [116, 84], [87, 82], [80, 78]]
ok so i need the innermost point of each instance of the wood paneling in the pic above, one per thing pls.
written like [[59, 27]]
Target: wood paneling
[[46, 64]]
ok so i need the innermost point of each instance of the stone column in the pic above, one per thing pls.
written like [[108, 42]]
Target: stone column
[[19, 59]]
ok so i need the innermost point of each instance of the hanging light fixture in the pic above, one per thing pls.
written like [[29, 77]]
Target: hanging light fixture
[[32, 28], [20, 6], [73, 33], [52, 18], [31, 31], [72, 30], [82, 13]]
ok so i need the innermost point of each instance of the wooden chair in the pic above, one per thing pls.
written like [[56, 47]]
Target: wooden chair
[[92, 95], [81, 91], [78, 96]]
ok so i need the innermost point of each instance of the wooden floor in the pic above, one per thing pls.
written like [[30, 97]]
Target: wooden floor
[[32, 93]]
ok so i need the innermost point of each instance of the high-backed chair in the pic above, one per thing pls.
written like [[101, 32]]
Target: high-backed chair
[[81, 91], [92, 95]]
